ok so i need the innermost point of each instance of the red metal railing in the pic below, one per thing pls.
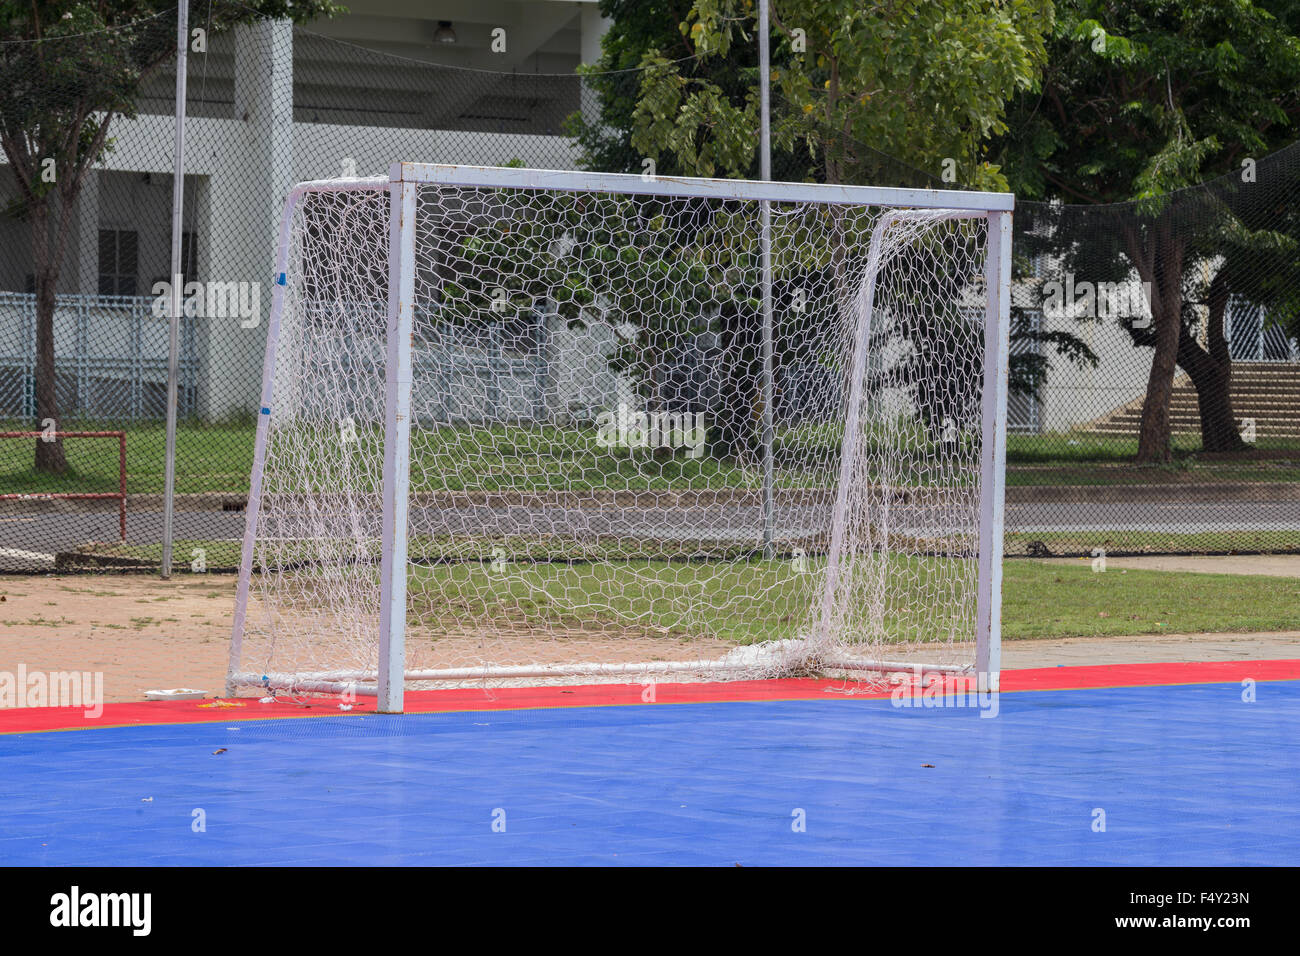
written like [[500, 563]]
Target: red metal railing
[[120, 495]]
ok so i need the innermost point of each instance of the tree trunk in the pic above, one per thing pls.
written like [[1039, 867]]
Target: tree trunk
[[1160, 262], [1211, 373], [1154, 431], [1213, 401], [49, 454]]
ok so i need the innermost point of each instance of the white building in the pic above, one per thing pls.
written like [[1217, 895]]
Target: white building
[[454, 81], [484, 82]]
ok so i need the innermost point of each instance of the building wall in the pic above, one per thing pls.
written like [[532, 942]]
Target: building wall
[[244, 151], [1074, 396]]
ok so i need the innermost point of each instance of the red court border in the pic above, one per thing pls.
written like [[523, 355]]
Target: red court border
[[145, 713]]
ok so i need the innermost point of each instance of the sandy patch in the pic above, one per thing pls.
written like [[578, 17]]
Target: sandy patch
[[143, 634]]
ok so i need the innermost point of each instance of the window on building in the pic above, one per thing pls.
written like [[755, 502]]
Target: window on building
[[117, 261]]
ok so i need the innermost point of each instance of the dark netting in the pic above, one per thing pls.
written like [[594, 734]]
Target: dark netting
[[270, 104], [1157, 406], [1216, 269], [83, 355]]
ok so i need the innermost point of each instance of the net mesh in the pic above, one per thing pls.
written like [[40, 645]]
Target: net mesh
[[587, 442]]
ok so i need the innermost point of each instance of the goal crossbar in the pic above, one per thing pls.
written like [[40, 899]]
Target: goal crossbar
[[691, 187]]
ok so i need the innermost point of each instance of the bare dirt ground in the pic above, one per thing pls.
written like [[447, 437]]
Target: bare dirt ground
[[141, 632], [147, 634]]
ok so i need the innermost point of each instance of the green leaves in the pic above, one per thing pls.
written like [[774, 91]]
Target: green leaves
[[1141, 99], [923, 82]]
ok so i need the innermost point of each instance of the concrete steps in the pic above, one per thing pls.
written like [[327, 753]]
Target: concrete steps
[[1268, 392]]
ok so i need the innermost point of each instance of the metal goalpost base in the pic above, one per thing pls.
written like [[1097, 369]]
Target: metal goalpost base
[[402, 183], [366, 683]]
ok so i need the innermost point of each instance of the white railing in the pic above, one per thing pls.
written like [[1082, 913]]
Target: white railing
[[1252, 339], [110, 355]]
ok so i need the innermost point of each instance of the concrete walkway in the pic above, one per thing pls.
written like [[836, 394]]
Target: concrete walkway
[[1275, 565], [1152, 649]]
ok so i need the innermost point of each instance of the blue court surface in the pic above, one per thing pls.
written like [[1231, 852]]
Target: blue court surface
[[1183, 775]]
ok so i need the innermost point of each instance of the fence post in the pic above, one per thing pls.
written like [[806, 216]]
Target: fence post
[[174, 326], [765, 241]]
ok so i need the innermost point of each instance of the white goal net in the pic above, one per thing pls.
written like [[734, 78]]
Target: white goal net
[[525, 426]]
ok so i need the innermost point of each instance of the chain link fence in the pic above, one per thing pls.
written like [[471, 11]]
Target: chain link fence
[[1102, 454]]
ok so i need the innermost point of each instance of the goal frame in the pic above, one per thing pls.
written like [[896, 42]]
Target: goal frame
[[402, 185]]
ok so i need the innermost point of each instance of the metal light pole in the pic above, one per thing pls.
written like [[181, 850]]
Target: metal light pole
[[174, 329], [765, 245]]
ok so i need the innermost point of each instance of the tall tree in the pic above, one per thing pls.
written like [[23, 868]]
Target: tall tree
[[1139, 100], [69, 69], [925, 82]]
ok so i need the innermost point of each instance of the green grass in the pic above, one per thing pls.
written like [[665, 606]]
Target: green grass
[[1056, 448], [1048, 600], [1085, 448], [209, 458], [674, 601], [1077, 458], [1039, 600], [218, 458], [551, 458], [218, 556]]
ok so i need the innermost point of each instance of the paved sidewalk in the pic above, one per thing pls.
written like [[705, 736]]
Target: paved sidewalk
[[1152, 649], [1275, 565]]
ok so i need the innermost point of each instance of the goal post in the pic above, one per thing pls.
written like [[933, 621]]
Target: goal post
[[993, 452], [397, 446], [516, 427]]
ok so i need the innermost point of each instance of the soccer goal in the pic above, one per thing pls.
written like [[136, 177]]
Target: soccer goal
[[528, 426]]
